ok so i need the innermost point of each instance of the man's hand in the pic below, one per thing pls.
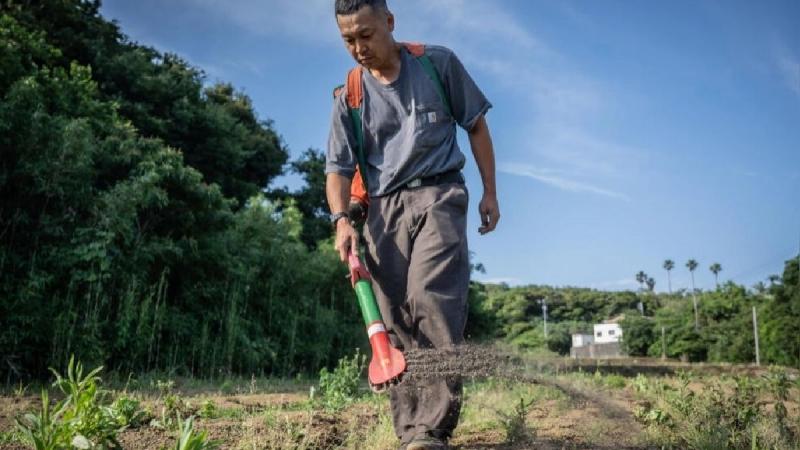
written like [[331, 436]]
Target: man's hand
[[346, 239], [490, 212]]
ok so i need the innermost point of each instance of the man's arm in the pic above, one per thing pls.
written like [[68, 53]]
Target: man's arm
[[337, 189], [481, 142]]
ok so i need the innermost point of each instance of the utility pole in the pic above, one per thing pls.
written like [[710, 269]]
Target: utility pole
[[755, 335], [663, 346], [543, 302]]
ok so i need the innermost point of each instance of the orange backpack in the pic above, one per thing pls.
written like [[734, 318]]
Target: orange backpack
[[358, 188]]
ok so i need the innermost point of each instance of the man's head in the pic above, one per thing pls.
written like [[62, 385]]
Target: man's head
[[366, 27]]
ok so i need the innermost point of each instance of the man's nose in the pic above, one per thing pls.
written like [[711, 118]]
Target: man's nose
[[361, 48]]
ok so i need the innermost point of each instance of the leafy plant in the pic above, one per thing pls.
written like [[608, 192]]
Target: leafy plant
[[45, 430], [164, 387], [648, 415], [189, 439], [85, 411], [172, 409], [128, 412], [8, 437], [20, 390], [208, 410], [515, 423], [779, 384], [82, 419], [339, 388]]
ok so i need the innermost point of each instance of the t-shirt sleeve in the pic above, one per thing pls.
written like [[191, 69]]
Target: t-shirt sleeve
[[467, 102], [340, 157]]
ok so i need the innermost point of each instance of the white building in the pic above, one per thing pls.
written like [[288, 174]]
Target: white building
[[605, 333], [582, 340]]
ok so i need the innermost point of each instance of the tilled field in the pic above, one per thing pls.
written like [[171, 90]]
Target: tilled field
[[509, 403]]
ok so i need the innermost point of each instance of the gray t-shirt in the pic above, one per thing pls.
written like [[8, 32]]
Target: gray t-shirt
[[407, 132]]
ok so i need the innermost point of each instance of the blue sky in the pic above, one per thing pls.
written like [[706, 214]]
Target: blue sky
[[626, 132]]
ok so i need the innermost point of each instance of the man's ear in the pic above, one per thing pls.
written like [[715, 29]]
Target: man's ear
[[390, 20]]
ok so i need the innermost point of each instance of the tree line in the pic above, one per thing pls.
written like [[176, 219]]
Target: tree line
[[136, 229], [714, 325]]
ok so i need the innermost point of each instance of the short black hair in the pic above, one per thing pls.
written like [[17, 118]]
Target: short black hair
[[345, 7]]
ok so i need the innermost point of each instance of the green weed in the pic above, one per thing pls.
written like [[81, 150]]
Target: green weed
[[8, 437], [727, 414], [128, 412], [82, 419], [208, 410], [339, 388], [189, 439], [164, 387], [172, 409], [514, 424], [44, 430]]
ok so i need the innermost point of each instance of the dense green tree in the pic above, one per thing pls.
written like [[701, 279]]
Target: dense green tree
[[310, 199], [113, 248], [215, 128], [781, 326], [637, 334]]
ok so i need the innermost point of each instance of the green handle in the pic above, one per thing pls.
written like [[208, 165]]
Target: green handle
[[367, 303]]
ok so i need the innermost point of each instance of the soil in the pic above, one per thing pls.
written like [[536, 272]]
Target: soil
[[584, 417]]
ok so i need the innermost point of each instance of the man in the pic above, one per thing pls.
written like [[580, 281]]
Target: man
[[416, 224]]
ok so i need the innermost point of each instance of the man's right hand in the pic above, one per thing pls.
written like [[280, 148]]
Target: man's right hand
[[346, 239]]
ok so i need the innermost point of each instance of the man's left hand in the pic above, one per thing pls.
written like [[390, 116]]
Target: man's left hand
[[490, 212]]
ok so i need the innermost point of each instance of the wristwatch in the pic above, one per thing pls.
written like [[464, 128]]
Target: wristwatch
[[335, 217]]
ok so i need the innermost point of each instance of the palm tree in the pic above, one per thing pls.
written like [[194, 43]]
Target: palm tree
[[716, 268], [773, 279], [692, 264], [651, 284], [669, 265], [641, 277]]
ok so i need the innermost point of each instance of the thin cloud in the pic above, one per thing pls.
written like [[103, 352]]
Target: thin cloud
[[789, 68], [472, 20], [311, 21], [554, 178]]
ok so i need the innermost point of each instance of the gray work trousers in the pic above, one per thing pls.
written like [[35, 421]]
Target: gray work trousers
[[417, 255]]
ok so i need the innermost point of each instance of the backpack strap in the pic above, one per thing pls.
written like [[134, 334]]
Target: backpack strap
[[417, 50], [337, 91], [355, 97]]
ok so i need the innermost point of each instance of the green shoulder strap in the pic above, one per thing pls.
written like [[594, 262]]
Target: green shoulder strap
[[355, 116], [430, 69]]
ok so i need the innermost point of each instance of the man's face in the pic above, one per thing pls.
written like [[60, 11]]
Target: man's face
[[367, 35]]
